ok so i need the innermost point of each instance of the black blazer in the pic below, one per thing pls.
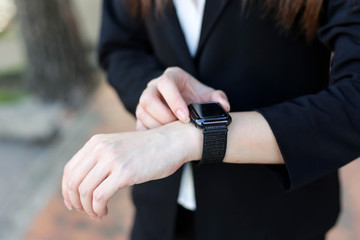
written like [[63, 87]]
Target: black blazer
[[315, 116]]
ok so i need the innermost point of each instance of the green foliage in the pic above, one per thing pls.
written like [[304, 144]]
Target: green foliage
[[11, 95], [12, 76], [8, 34], [11, 86]]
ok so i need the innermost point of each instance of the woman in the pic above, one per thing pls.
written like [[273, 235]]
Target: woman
[[293, 126]]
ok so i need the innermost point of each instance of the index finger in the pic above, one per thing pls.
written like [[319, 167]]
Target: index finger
[[169, 87]]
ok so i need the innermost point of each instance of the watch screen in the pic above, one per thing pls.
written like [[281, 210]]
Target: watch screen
[[206, 110]]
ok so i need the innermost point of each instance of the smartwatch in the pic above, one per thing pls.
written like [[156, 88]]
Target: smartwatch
[[213, 119]]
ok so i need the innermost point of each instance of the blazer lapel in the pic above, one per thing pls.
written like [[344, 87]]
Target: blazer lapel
[[212, 11], [172, 30]]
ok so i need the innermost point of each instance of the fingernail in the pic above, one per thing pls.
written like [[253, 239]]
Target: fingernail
[[68, 205], [182, 116], [225, 103], [228, 105]]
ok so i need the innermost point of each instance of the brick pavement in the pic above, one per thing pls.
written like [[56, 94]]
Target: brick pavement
[[55, 222]]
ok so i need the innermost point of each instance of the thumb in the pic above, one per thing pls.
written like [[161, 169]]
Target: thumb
[[220, 97]]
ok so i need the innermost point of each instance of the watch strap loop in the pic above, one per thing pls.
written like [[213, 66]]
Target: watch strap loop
[[214, 147]]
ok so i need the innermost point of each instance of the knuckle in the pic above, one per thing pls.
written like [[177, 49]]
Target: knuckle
[[164, 121], [167, 118], [123, 184], [146, 99], [164, 81], [84, 191], [99, 196], [173, 69], [96, 138], [72, 184], [140, 113], [219, 92], [100, 211], [167, 70], [142, 99], [67, 170], [126, 177], [152, 82], [101, 145], [113, 152]]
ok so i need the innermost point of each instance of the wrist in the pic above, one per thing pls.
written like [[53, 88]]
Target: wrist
[[190, 140], [194, 142]]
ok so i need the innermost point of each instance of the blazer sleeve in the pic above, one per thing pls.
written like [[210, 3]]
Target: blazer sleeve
[[125, 53], [317, 134]]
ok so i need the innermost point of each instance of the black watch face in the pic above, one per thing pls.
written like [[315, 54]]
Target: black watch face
[[203, 114], [209, 110]]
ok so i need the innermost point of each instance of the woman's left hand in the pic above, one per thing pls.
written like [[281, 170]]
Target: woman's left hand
[[109, 162]]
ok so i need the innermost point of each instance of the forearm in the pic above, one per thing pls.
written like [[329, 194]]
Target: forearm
[[250, 140], [108, 162]]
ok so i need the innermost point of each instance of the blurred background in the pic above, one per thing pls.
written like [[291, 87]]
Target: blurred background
[[53, 98]]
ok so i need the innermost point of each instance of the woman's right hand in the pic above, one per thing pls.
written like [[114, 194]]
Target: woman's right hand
[[166, 98]]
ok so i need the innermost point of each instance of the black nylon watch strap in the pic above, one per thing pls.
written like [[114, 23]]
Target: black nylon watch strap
[[214, 146]]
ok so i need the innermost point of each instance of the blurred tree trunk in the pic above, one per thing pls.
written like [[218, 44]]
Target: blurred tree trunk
[[58, 68]]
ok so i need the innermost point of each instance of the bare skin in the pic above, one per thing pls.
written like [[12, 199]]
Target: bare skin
[[109, 162]]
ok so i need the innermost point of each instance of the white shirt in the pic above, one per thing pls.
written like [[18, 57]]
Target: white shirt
[[190, 14]]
